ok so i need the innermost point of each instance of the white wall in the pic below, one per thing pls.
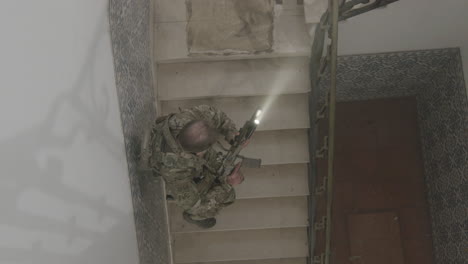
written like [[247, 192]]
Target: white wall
[[408, 25], [64, 188]]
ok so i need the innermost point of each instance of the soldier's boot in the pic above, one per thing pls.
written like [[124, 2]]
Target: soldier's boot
[[205, 223]]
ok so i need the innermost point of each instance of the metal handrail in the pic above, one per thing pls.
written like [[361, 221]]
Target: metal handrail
[[319, 63], [331, 123]]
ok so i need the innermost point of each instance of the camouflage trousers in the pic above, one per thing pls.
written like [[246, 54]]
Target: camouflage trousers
[[196, 187], [212, 203], [211, 200]]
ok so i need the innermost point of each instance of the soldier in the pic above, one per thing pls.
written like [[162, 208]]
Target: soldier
[[181, 149]]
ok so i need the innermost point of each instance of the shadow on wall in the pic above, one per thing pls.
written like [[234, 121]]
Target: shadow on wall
[[48, 214]]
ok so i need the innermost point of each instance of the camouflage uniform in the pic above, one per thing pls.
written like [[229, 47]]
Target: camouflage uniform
[[190, 179]]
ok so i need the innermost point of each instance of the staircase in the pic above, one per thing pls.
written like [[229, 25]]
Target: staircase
[[268, 224]]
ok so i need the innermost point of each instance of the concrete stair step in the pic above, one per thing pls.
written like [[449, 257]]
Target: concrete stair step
[[279, 146], [239, 57], [179, 81], [292, 39], [261, 261], [241, 245], [247, 214], [313, 10], [290, 32], [166, 11], [281, 112], [274, 181]]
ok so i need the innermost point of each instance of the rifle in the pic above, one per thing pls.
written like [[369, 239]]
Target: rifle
[[245, 133]]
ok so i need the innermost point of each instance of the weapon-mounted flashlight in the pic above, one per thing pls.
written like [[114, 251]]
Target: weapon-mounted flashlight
[[257, 116]]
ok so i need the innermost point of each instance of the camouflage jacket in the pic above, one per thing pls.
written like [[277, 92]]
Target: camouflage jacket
[[188, 178]]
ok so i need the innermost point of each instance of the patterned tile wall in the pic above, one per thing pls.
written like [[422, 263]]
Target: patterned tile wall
[[385, 75], [443, 121], [435, 77], [131, 40]]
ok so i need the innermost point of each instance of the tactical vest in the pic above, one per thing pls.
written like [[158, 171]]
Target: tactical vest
[[160, 142], [166, 151]]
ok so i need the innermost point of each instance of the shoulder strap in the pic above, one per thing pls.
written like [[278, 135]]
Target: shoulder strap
[[173, 144]]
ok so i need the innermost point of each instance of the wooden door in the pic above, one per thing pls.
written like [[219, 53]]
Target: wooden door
[[375, 238]]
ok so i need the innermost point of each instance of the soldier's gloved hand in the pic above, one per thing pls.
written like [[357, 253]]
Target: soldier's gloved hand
[[246, 143], [236, 177], [231, 136]]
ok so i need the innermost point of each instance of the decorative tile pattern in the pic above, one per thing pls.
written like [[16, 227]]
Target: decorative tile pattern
[[385, 75], [131, 40], [443, 121], [435, 77]]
